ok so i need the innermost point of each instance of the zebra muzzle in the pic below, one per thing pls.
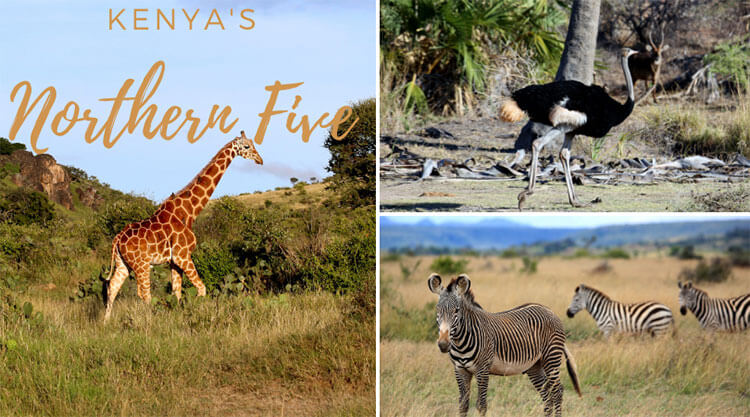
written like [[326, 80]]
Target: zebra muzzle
[[444, 345], [570, 313], [683, 310]]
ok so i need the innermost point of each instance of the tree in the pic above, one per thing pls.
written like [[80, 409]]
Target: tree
[[7, 147], [353, 158], [577, 62]]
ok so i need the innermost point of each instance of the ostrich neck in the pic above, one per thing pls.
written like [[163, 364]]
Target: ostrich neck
[[628, 80]]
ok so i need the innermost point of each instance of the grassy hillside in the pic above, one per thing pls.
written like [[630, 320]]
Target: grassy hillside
[[287, 328], [690, 374]]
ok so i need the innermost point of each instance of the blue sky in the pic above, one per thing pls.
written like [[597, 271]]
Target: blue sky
[[566, 220], [328, 45]]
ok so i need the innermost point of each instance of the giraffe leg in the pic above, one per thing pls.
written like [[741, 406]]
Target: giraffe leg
[[565, 161], [463, 377], [176, 281], [539, 380], [143, 279], [536, 148], [118, 278], [187, 266], [483, 376]]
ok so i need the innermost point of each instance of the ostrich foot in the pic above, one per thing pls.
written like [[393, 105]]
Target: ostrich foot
[[522, 198]]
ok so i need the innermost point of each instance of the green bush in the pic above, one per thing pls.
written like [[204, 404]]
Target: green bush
[[9, 168], [717, 270], [113, 217], [529, 265], [739, 256], [23, 206], [7, 147], [445, 265], [616, 253], [213, 262]]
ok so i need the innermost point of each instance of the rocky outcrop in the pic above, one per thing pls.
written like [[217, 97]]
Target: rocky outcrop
[[41, 173]]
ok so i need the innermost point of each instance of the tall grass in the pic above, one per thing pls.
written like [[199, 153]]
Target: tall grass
[[695, 130], [690, 373], [186, 361]]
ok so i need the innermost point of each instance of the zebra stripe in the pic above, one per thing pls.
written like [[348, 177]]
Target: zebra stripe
[[611, 316], [732, 314], [528, 339]]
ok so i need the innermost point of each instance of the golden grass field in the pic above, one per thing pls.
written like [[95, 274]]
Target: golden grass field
[[693, 373]]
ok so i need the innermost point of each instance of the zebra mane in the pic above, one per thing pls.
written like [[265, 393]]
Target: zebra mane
[[468, 295], [595, 291]]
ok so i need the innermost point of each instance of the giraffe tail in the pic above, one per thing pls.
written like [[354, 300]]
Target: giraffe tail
[[571, 365], [114, 254]]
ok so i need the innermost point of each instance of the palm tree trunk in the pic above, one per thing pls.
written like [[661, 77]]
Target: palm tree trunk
[[577, 62]]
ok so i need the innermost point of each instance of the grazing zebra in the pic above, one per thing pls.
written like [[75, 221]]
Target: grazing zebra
[[647, 317], [528, 339], [731, 314]]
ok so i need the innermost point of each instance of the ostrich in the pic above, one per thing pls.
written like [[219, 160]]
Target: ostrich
[[567, 108]]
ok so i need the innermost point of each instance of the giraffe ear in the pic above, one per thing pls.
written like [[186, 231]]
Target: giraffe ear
[[433, 283], [463, 284]]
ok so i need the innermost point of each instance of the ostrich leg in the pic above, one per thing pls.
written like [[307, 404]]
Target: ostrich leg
[[565, 160], [536, 148]]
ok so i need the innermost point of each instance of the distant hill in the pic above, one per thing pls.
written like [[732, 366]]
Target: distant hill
[[498, 233], [493, 233]]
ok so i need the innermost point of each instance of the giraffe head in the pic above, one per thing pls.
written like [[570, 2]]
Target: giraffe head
[[246, 149]]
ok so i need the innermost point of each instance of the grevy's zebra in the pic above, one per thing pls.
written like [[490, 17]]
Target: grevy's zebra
[[611, 316], [528, 339], [731, 314]]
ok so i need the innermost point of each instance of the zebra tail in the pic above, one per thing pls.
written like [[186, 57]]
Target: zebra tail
[[571, 365]]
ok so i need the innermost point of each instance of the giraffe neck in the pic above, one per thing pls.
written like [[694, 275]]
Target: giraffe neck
[[195, 195]]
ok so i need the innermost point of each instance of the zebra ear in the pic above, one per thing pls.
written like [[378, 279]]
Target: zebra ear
[[688, 284], [679, 284], [433, 282], [463, 284]]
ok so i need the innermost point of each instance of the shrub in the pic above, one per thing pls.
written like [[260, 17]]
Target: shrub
[[509, 253], [616, 253], [717, 270], [213, 262], [9, 168], [739, 256], [445, 265], [23, 206], [529, 265], [119, 213], [685, 252], [7, 147]]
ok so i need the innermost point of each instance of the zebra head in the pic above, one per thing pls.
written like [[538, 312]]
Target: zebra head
[[688, 296], [579, 301], [448, 306]]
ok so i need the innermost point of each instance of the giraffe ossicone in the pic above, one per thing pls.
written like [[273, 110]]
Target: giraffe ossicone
[[167, 236]]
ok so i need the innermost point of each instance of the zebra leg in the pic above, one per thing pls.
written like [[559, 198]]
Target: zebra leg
[[483, 377], [539, 380], [536, 148], [553, 386], [463, 377]]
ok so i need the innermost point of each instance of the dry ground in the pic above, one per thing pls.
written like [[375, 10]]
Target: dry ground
[[690, 374], [489, 139]]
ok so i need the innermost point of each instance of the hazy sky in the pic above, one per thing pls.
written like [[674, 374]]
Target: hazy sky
[[330, 46], [573, 219]]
